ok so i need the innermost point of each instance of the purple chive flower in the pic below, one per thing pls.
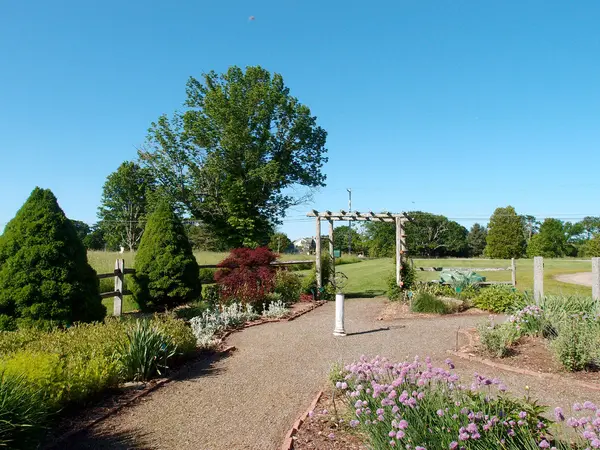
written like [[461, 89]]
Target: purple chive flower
[[558, 414], [544, 444], [354, 423], [595, 443], [392, 443], [400, 434], [453, 445], [392, 434], [577, 407], [587, 434], [522, 414], [418, 447], [472, 428], [440, 412], [403, 424], [331, 436], [589, 405], [449, 363]]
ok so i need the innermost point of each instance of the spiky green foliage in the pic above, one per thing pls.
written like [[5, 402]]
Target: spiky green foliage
[[45, 277], [166, 269], [506, 234]]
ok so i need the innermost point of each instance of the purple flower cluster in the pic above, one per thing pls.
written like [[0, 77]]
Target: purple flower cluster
[[409, 403], [587, 425]]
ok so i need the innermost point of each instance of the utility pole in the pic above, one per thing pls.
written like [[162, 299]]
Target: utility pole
[[349, 221]]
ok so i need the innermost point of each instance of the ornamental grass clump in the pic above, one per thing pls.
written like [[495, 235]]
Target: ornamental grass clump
[[424, 302], [415, 405]]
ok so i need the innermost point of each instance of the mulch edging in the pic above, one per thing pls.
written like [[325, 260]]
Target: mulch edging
[[288, 443], [464, 353]]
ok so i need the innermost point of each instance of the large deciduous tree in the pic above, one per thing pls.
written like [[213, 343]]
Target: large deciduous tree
[[380, 239], [476, 239], [280, 243], [435, 235], [344, 235], [550, 242], [506, 234], [234, 157], [126, 198]]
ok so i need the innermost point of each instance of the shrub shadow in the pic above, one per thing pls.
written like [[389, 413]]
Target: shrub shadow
[[86, 439]]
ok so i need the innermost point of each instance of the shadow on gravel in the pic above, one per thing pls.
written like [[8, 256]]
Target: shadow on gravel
[[203, 367], [376, 330], [118, 441], [370, 293]]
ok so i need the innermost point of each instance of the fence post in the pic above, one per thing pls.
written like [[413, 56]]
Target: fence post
[[596, 278], [538, 278], [318, 257], [513, 268], [119, 276]]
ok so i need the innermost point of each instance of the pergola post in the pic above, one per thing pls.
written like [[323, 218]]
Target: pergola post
[[318, 254], [331, 247]]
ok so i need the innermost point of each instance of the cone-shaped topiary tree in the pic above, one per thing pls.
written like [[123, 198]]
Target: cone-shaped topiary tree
[[166, 271], [45, 277]]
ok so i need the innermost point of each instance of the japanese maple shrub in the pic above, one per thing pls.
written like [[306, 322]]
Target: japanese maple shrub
[[247, 275]]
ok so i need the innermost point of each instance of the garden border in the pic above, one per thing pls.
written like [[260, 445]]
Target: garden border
[[162, 381], [150, 387], [288, 442], [463, 354]]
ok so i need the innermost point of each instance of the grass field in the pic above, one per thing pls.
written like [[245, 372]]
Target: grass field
[[368, 278]]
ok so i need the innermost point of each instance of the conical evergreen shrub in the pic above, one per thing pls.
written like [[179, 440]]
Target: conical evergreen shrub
[[45, 278], [166, 271]]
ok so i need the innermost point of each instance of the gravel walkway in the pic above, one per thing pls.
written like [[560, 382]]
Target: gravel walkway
[[250, 399], [582, 278]]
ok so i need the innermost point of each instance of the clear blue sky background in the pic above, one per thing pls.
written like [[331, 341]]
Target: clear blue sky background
[[449, 106]]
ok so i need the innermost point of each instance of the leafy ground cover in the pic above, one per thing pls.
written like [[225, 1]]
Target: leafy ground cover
[[570, 327]]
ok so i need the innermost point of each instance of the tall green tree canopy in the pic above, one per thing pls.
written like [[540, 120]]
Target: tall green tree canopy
[[280, 243], [550, 242], [506, 234], [44, 273], [380, 239], [126, 198], [341, 235], [435, 235], [477, 239], [232, 157]]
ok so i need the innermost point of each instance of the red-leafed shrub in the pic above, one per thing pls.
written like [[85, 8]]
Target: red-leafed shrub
[[247, 275]]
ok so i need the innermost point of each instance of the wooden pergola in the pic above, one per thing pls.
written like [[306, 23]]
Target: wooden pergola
[[355, 216]]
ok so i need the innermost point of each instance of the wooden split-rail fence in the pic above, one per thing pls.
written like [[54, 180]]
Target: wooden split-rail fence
[[512, 269], [120, 272]]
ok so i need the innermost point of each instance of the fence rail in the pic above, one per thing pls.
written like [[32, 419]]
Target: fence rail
[[120, 271]]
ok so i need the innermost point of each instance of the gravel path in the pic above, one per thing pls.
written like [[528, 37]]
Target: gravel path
[[250, 399], [582, 278]]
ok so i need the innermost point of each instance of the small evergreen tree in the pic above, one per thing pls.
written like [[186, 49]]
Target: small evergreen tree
[[506, 234], [166, 271], [44, 273], [476, 240]]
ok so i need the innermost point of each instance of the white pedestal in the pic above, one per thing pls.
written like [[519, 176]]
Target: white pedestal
[[339, 316]]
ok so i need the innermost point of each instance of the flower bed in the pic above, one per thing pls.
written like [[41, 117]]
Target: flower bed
[[415, 405], [568, 327]]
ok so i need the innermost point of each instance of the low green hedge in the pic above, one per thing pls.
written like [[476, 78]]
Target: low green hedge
[[499, 299], [63, 366]]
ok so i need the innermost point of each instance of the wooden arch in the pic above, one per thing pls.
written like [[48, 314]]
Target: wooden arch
[[398, 219]]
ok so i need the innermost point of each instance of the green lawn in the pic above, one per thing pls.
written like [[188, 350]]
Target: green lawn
[[368, 278]]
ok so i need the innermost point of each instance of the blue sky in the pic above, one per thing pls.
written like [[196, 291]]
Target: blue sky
[[454, 107]]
